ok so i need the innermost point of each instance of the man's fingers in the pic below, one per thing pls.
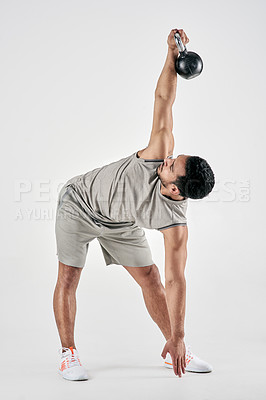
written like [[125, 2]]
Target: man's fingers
[[174, 362], [183, 364], [179, 367], [184, 38], [182, 34], [164, 353]]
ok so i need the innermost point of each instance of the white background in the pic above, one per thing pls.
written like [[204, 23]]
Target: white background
[[77, 91]]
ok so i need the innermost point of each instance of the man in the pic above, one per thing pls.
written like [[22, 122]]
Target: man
[[147, 189]]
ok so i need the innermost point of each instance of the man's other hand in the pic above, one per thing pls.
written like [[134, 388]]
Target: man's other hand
[[177, 350]]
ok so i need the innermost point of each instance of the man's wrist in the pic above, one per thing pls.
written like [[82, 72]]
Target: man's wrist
[[173, 52], [177, 338]]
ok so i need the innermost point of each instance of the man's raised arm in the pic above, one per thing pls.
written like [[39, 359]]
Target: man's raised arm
[[166, 85], [165, 93]]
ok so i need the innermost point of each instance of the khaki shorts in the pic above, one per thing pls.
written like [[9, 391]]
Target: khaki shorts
[[75, 229]]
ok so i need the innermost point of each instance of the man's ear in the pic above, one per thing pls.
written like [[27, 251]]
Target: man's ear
[[174, 190]]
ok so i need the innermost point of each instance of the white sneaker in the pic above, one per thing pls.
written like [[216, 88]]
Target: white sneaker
[[70, 365], [193, 363]]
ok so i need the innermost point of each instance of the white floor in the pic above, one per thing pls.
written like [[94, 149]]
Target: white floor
[[121, 346], [134, 371]]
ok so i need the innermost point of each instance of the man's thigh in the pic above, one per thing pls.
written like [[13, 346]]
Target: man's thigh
[[74, 230], [126, 246]]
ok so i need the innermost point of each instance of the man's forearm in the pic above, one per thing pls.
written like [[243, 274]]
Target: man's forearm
[[176, 303], [167, 82]]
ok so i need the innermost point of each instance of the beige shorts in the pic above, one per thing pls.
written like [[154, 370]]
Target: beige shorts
[[75, 229]]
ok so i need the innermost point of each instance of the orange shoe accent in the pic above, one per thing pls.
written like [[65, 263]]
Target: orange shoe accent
[[63, 366], [66, 363]]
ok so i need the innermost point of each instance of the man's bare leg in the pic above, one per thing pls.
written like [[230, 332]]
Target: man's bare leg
[[64, 302], [154, 295]]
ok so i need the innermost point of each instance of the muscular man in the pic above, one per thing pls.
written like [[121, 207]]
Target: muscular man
[[148, 189]]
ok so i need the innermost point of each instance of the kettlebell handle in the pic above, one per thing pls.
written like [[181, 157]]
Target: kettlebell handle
[[180, 45]]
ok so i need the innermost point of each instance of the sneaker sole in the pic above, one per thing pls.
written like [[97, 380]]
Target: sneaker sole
[[168, 365], [69, 378]]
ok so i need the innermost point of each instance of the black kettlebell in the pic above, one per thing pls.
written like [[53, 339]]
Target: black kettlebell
[[188, 64]]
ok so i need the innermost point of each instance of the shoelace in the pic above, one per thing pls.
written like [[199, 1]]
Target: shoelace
[[68, 358]]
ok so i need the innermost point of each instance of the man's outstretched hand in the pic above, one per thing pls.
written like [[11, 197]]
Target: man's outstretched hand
[[177, 350], [171, 39]]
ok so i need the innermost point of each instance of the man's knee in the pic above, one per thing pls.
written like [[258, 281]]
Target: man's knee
[[68, 276], [150, 277]]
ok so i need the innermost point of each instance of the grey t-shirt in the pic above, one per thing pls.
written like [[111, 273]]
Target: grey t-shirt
[[127, 192]]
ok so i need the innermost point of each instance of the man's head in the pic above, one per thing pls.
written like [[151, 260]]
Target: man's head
[[186, 176]]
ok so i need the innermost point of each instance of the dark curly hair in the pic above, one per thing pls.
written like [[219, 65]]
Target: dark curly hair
[[199, 179]]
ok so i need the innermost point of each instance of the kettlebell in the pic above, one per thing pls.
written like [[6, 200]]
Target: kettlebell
[[188, 64]]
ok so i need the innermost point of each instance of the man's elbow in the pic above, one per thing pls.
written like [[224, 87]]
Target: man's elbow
[[167, 97]]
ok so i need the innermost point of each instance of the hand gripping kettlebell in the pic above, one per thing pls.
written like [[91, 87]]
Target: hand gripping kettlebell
[[188, 64]]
